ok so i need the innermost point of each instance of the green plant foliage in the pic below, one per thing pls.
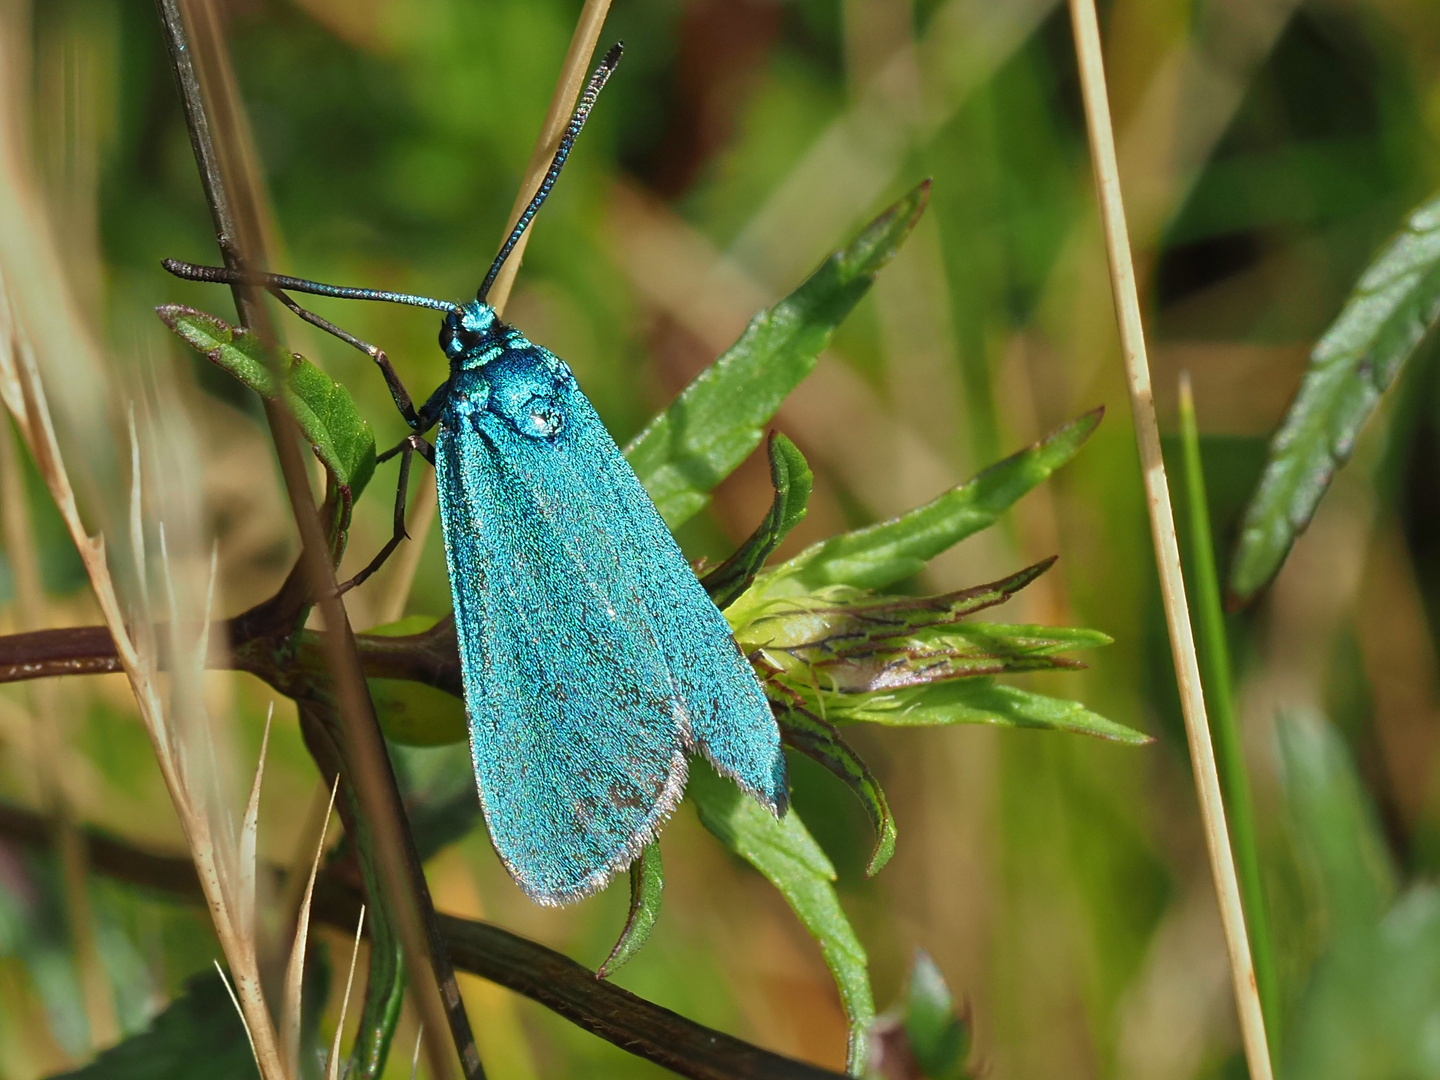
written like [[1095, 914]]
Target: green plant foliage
[[882, 554], [1335, 825], [717, 420], [791, 477], [199, 1036], [322, 407], [1394, 305], [647, 884], [788, 856], [816, 739], [1367, 1011], [975, 701], [922, 1037]]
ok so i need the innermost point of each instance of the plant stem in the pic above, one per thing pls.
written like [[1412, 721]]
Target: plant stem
[[1162, 531], [234, 202], [1224, 728]]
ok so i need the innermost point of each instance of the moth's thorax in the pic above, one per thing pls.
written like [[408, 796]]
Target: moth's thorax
[[496, 370]]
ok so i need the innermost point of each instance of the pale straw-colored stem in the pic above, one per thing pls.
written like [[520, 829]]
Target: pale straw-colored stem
[[1162, 529], [573, 74]]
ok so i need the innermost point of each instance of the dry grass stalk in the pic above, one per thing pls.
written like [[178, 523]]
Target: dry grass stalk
[[332, 1068], [573, 73], [295, 970], [224, 863], [1162, 528]]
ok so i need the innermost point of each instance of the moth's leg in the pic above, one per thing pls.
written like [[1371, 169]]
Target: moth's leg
[[406, 448], [398, 392]]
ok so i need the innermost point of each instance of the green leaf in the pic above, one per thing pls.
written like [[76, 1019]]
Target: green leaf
[[647, 882], [412, 713], [198, 1036], [1369, 1011], [788, 856], [891, 551], [791, 477], [939, 1038], [818, 740], [1393, 307], [1334, 823], [717, 420], [975, 701], [321, 406]]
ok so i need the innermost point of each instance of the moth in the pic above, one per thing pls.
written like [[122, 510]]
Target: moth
[[593, 662]]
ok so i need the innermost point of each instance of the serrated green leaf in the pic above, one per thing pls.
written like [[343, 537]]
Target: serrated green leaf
[[647, 883], [1395, 304], [322, 407], [975, 701], [791, 478], [819, 741], [891, 551], [789, 857], [717, 420]]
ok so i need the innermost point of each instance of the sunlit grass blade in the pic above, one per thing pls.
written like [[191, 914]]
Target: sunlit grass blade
[[248, 828], [1395, 304], [789, 857], [791, 477], [1214, 654], [290, 1014], [332, 1066], [647, 884], [718, 419], [820, 742], [891, 551]]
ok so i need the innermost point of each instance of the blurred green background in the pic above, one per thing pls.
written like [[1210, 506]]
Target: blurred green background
[[1061, 884]]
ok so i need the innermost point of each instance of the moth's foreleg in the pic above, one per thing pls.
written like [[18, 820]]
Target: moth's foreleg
[[406, 448], [398, 392]]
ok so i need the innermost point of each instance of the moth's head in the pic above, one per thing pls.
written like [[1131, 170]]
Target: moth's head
[[467, 330]]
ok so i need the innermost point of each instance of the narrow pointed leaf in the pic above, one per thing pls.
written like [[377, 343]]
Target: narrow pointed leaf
[[891, 551], [975, 701], [791, 477], [789, 857], [718, 419], [647, 883], [819, 741], [938, 1036], [1395, 304], [322, 407]]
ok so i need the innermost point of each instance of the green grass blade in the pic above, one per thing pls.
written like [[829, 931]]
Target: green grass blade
[[647, 884], [1394, 305], [791, 478], [891, 551], [717, 420], [322, 407], [1214, 654], [789, 857]]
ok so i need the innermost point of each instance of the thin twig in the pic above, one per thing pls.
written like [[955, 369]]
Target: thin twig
[[573, 73], [234, 203], [1162, 529]]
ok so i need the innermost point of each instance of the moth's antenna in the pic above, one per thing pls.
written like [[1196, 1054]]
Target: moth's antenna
[[577, 121], [277, 282]]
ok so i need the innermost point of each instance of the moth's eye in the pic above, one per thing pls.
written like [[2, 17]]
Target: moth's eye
[[541, 418], [450, 343]]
